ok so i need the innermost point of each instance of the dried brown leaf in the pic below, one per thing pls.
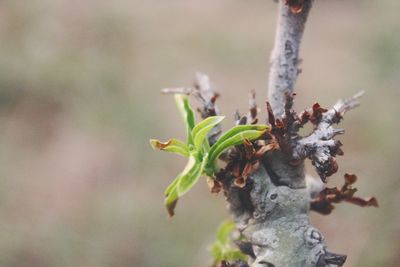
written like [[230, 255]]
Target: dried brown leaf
[[323, 203], [271, 116], [236, 171], [363, 202], [296, 6], [162, 145], [280, 124], [268, 147], [316, 115], [249, 149], [214, 185], [253, 106], [171, 208], [240, 182], [350, 178]]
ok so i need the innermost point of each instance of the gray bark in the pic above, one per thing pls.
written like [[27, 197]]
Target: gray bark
[[278, 228], [272, 211], [285, 54]]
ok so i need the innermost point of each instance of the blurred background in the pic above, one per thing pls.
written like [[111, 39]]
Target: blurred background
[[79, 99]]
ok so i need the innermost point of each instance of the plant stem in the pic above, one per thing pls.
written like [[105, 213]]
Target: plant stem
[[285, 54]]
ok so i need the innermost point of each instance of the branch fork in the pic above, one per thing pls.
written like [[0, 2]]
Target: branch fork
[[264, 181]]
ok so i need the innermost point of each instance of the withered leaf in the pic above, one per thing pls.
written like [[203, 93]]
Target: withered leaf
[[236, 171], [296, 6], [323, 203], [350, 178], [171, 208], [214, 185], [372, 201], [316, 115], [240, 182], [253, 107], [271, 116], [249, 168], [279, 124], [304, 117], [249, 149], [265, 148]]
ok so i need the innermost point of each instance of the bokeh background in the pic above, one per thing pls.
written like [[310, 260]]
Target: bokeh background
[[79, 99]]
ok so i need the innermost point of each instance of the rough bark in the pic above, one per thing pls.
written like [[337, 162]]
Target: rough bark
[[268, 193], [271, 207], [285, 54], [264, 182], [277, 225], [272, 210]]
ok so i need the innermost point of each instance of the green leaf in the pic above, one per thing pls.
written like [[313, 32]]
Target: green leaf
[[172, 186], [234, 255], [217, 251], [224, 231], [189, 180], [182, 183], [201, 130], [222, 249], [170, 201], [187, 113], [233, 137], [240, 128], [172, 145]]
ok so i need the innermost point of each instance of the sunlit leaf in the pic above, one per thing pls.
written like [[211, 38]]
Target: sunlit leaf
[[172, 145], [240, 128], [172, 186], [217, 252], [188, 180], [232, 138], [201, 130], [172, 193], [187, 113], [224, 231], [222, 249]]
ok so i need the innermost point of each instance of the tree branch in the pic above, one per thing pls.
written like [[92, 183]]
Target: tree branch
[[320, 145], [272, 209], [285, 54], [264, 181]]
